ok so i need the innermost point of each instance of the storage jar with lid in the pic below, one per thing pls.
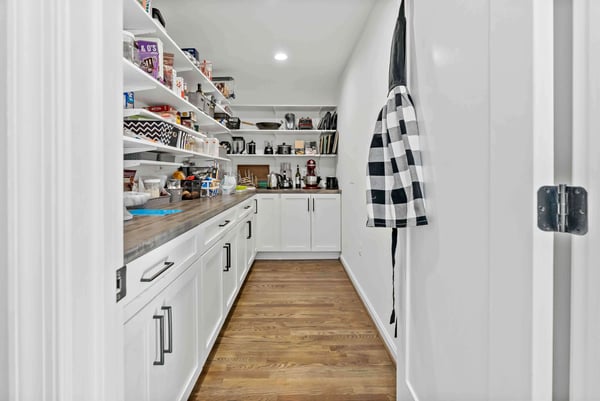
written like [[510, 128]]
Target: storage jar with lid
[[130, 50], [152, 186]]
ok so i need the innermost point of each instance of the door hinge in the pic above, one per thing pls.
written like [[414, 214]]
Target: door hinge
[[562, 209], [121, 283]]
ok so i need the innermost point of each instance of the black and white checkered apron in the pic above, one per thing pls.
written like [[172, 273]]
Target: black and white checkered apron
[[394, 176]]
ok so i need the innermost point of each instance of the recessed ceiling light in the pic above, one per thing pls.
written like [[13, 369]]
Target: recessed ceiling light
[[281, 56]]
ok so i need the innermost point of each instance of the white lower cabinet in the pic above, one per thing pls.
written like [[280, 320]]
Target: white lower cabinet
[[269, 222], [246, 246], [325, 223], [295, 222], [211, 294], [230, 268], [308, 223], [250, 242], [162, 343], [174, 314]]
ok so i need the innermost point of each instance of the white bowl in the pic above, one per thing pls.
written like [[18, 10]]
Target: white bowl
[[131, 199]]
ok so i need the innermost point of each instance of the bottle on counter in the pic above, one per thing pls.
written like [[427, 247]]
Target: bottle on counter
[[297, 178]]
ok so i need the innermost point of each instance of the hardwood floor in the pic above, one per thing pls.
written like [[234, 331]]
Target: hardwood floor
[[298, 332]]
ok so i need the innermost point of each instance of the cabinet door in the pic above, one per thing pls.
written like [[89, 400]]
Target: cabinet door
[[241, 242], [268, 223], [295, 222], [180, 308], [161, 343], [141, 342], [250, 241], [230, 265], [325, 222], [211, 294]]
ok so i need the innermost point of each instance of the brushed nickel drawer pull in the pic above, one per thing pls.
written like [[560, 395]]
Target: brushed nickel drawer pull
[[166, 267]]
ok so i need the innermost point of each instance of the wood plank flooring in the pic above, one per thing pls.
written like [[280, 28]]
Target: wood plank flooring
[[298, 332]]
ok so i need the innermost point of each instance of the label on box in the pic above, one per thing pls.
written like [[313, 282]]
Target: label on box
[[128, 100], [160, 108], [151, 57]]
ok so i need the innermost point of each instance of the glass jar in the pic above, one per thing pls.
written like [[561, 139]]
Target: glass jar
[[152, 186], [130, 50]]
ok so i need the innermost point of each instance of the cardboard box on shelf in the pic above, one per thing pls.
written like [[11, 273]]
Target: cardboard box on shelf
[[152, 57]]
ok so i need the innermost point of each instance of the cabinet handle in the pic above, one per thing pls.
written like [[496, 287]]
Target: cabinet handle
[[308, 205], [161, 321], [255, 206], [166, 267], [249, 229], [227, 246], [313, 204], [247, 207], [224, 224], [169, 311]]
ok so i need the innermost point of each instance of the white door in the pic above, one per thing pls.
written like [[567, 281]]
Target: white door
[[475, 302], [268, 222], [295, 222], [325, 223], [585, 268]]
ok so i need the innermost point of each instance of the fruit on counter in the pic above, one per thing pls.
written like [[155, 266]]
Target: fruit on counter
[[178, 175], [191, 177]]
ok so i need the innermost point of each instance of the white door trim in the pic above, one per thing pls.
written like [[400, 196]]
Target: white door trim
[[585, 298], [63, 210]]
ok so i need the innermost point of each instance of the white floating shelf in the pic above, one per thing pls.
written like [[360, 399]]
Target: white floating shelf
[[137, 21], [284, 108], [148, 115], [136, 145], [297, 132], [278, 156], [137, 163], [150, 92]]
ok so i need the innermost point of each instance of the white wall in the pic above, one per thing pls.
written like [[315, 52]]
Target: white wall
[[479, 277], [3, 216], [364, 87]]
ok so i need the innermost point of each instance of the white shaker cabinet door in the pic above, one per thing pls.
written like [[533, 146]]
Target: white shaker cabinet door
[[180, 309], [241, 245], [325, 222], [295, 222], [231, 249], [211, 294], [250, 241], [269, 223], [161, 343]]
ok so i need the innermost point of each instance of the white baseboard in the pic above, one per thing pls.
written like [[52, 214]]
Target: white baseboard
[[381, 326], [296, 255]]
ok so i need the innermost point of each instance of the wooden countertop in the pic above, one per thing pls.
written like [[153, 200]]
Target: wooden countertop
[[298, 191], [145, 233]]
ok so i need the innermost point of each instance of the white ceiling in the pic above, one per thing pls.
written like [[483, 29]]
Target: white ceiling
[[240, 37]]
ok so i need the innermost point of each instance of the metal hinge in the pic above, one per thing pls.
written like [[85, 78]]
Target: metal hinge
[[563, 209], [121, 283]]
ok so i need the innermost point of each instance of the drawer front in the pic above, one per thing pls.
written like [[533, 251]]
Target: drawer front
[[216, 227], [247, 207], [156, 269]]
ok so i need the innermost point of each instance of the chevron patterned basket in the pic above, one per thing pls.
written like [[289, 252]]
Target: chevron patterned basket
[[157, 131]]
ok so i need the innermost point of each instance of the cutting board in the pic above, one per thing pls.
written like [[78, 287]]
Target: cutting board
[[260, 171]]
